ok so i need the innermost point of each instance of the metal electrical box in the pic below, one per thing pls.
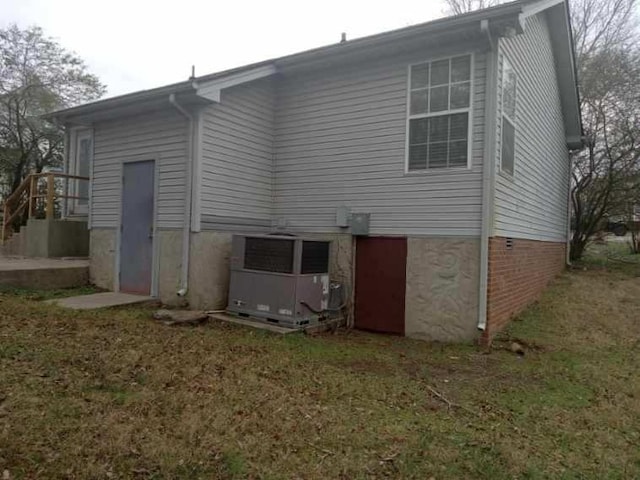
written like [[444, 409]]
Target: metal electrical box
[[279, 278], [360, 224]]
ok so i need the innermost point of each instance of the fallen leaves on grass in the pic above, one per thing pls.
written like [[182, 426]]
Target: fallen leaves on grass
[[112, 394]]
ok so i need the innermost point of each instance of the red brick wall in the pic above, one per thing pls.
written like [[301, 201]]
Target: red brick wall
[[517, 277]]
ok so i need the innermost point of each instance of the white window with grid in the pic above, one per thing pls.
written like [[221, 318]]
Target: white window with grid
[[439, 114], [509, 90]]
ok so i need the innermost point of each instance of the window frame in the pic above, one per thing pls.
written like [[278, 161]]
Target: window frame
[[468, 110], [506, 117], [74, 207]]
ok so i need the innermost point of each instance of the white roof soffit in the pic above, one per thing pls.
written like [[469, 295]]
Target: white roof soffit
[[531, 9], [211, 89], [561, 38], [563, 49]]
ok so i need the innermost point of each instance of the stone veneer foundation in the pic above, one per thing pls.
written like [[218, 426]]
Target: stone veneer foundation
[[442, 282], [102, 255], [441, 300]]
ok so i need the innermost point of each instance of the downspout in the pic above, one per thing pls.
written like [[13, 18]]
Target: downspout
[[184, 274], [488, 171]]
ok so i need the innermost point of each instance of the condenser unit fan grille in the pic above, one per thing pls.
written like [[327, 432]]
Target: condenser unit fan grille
[[315, 257], [269, 255]]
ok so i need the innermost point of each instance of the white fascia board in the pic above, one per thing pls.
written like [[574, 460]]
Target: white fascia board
[[575, 142], [212, 94], [535, 8], [522, 22], [211, 89]]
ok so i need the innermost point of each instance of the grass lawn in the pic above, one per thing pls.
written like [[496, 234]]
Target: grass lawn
[[112, 394]]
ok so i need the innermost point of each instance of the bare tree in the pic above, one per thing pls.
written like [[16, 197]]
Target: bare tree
[[458, 7], [605, 173], [599, 25], [632, 214], [604, 176], [37, 76]]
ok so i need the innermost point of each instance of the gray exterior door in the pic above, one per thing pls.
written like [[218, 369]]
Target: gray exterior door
[[136, 237]]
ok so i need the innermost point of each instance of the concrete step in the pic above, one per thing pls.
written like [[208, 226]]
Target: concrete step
[[11, 246], [49, 238], [43, 273]]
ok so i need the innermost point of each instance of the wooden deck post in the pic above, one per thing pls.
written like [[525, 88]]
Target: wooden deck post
[[50, 195], [32, 192], [4, 222]]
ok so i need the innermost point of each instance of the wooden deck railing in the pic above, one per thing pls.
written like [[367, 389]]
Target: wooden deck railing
[[29, 194]]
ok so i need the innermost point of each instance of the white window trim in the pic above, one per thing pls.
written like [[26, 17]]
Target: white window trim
[[469, 110], [504, 116], [73, 209]]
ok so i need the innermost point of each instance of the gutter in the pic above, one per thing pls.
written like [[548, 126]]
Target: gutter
[[119, 101], [184, 274], [488, 172]]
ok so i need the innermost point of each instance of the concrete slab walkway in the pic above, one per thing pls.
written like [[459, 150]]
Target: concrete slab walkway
[[100, 300]]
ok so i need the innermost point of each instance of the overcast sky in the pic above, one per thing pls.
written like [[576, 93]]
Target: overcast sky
[[138, 44]]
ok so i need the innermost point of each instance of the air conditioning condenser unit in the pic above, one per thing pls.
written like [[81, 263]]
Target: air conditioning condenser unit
[[279, 278]]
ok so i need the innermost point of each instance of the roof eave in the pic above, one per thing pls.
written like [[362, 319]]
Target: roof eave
[[208, 87], [115, 103], [562, 38]]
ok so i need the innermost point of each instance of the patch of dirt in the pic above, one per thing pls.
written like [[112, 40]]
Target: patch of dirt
[[504, 341], [375, 367]]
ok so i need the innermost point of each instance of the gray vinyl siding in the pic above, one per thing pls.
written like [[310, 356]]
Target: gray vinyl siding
[[340, 139], [237, 158], [533, 203], [160, 136]]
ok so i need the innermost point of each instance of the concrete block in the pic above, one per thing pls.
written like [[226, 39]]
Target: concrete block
[[50, 238], [68, 238]]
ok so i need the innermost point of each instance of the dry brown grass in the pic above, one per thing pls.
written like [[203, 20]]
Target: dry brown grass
[[112, 394]]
